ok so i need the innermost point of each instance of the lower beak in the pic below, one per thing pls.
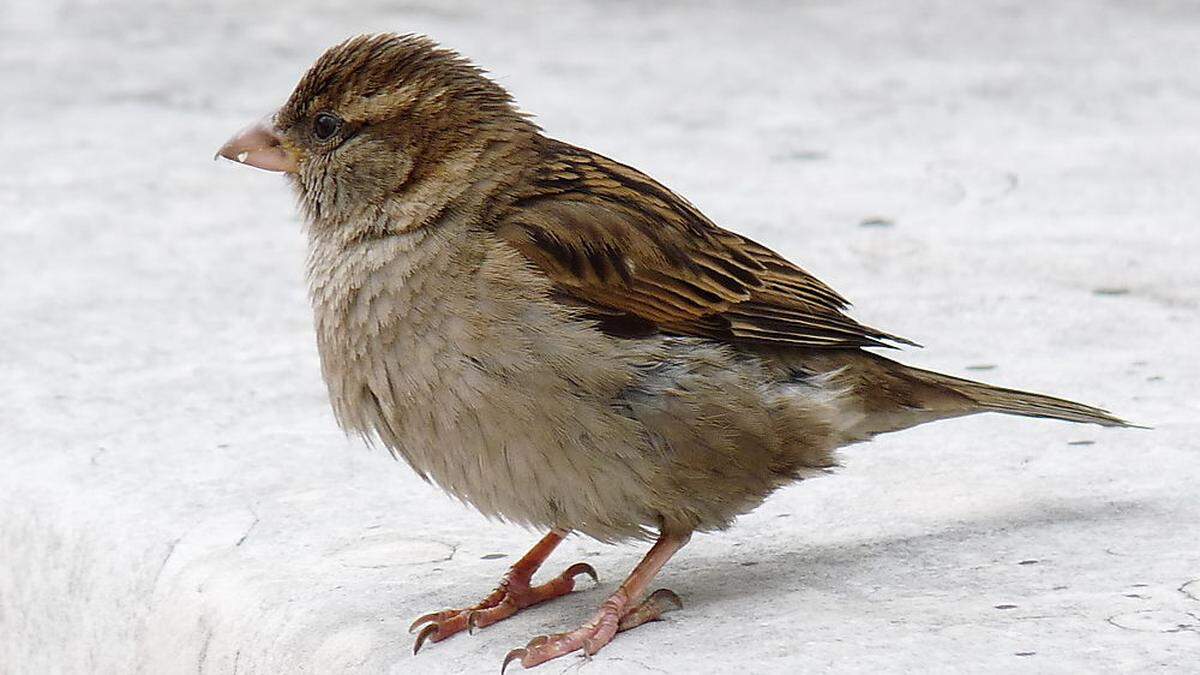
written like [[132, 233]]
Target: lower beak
[[260, 146]]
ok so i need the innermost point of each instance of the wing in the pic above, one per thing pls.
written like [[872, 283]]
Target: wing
[[640, 259]]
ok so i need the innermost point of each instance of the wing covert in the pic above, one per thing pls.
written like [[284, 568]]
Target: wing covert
[[632, 253]]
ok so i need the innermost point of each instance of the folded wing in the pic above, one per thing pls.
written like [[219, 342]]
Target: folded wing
[[640, 259]]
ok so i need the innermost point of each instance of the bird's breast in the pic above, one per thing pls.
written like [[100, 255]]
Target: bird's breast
[[450, 351]]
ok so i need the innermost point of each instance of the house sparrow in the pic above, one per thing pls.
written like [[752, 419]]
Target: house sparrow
[[557, 339]]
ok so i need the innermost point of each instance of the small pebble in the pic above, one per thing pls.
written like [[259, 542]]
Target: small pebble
[[876, 222], [493, 556], [1006, 606], [805, 155], [1110, 290]]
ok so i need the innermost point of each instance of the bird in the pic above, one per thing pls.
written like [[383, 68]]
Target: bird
[[560, 341]]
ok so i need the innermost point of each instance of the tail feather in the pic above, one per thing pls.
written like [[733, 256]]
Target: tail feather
[[1029, 404], [988, 398], [883, 395]]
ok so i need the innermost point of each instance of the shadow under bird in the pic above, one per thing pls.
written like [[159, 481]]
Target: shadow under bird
[[557, 339]]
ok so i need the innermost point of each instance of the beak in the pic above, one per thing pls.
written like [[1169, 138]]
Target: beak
[[260, 146]]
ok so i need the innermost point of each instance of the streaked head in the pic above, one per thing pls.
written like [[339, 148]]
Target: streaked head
[[371, 117]]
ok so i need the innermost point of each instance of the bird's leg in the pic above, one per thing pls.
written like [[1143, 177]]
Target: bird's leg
[[514, 593], [623, 610]]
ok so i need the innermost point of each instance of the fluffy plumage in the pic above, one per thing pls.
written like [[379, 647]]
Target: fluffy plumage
[[557, 339]]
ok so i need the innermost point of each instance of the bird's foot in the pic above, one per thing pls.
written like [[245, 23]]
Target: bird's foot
[[512, 595], [613, 617]]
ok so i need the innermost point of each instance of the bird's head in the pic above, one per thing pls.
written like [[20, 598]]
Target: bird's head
[[372, 121]]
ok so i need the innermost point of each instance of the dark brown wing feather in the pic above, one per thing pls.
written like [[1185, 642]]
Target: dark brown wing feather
[[640, 259]]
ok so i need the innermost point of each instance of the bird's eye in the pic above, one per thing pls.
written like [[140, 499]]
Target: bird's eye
[[326, 125]]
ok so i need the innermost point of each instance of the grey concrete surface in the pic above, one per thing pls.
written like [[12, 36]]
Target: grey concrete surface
[[1016, 185]]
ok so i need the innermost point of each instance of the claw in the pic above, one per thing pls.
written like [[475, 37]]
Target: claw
[[516, 654], [668, 595], [424, 635], [432, 616], [652, 608], [471, 625], [582, 568]]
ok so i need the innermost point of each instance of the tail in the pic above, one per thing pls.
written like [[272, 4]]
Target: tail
[[987, 398], [890, 396]]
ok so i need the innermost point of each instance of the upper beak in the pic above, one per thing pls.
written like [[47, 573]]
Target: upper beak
[[261, 146]]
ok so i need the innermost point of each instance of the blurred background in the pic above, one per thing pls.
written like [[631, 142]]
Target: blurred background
[[1014, 185]]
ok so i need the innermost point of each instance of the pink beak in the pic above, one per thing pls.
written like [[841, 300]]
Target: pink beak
[[260, 146]]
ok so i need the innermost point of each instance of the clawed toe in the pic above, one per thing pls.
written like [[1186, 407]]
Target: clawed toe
[[424, 635], [543, 648], [513, 655], [513, 595], [581, 568], [652, 608], [472, 622], [440, 625], [432, 616], [595, 634]]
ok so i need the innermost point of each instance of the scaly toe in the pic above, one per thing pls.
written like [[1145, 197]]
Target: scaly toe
[[432, 616], [537, 641], [652, 608]]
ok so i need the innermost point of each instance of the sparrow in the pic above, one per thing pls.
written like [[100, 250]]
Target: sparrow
[[557, 339]]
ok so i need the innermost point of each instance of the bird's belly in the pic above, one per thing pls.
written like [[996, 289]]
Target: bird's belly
[[527, 448], [510, 403]]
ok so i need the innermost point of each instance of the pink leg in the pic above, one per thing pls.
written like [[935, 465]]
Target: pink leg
[[623, 610], [512, 595]]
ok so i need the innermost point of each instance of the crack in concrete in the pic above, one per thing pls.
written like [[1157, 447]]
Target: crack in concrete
[[208, 635], [639, 664], [241, 540], [166, 558], [1191, 589], [1116, 620]]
